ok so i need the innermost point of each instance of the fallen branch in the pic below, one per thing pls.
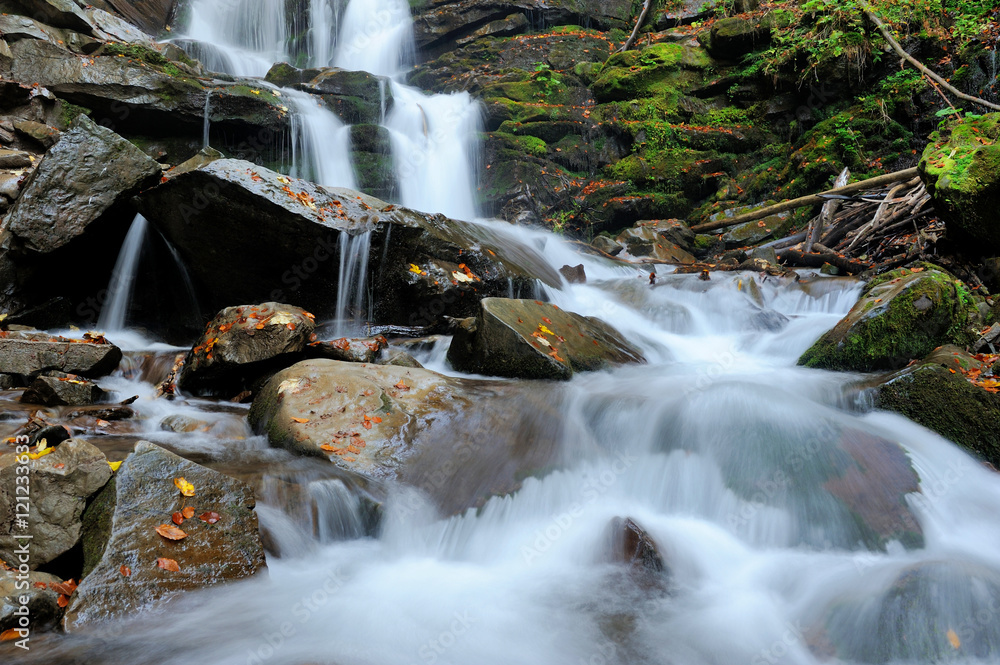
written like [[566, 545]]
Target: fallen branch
[[826, 215], [916, 63], [638, 26], [804, 201], [817, 259]]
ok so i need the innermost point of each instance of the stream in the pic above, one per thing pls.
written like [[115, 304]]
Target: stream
[[720, 447]]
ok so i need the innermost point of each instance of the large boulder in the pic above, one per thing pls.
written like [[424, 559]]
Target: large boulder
[[61, 484], [121, 546], [58, 389], [951, 393], [243, 343], [961, 168], [43, 602], [310, 242], [451, 438], [88, 172], [902, 315], [658, 240], [533, 340], [30, 353], [150, 15]]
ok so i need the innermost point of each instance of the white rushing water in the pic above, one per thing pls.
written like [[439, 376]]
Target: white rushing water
[[119, 293], [720, 447]]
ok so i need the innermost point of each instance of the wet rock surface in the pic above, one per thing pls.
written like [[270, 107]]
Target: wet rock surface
[[533, 340], [30, 353], [62, 482], [119, 529]]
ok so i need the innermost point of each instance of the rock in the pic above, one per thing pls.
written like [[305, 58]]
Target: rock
[[88, 172], [150, 15], [350, 350], [62, 390], [901, 315], [435, 24], [961, 168], [243, 343], [574, 274], [766, 254], [356, 97], [451, 438], [509, 25], [181, 424], [61, 484], [732, 38], [655, 240], [30, 353], [929, 612], [14, 159], [658, 70], [534, 340], [631, 545], [40, 132], [752, 233], [828, 269], [371, 155], [43, 603], [119, 530], [297, 241], [607, 245], [935, 393]]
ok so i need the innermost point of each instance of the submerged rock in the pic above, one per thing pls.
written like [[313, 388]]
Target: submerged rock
[[119, 529], [61, 484], [451, 438], [631, 545], [533, 340], [243, 343], [935, 393], [418, 267], [902, 315], [659, 240], [31, 353]]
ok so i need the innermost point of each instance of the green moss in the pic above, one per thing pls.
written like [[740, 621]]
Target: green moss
[[651, 72], [69, 112], [136, 52], [900, 317], [529, 145]]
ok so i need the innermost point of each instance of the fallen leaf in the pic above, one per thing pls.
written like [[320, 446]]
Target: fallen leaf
[[125, 571], [953, 639], [40, 585], [300, 420], [114, 465], [461, 277], [186, 488], [170, 532], [188, 512], [211, 517], [63, 601], [9, 634], [401, 385], [66, 588], [168, 564], [177, 518]]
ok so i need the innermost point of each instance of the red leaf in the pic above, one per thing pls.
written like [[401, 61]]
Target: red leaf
[[177, 519], [125, 571], [170, 532], [211, 517], [66, 588], [188, 512], [168, 564]]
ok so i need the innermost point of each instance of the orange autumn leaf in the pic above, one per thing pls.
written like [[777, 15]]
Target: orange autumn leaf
[[168, 564], [290, 325], [953, 639], [367, 424], [40, 585], [188, 512], [63, 601], [186, 488], [401, 385], [177, 518], [125, 571], [170, 532], [328, 448], [66, 588], [300, 420], [916, 269], [9, 634], [211, 517]]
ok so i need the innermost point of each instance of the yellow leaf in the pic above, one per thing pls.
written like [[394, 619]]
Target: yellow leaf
[[114, 465], [41, 454], [42, 445], [3, 316], [545, 330], [256, 92], [953, 639], [186, 488], [414, 268]]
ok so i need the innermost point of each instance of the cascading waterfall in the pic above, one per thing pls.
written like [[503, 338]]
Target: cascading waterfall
[[720, 447], [119, 294], [239, 37], [353, 303], [321, 143]]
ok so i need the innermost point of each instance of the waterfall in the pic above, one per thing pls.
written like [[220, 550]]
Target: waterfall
[[119, 295], [353, 304], [321, 143], [377, 37], [239, 37]]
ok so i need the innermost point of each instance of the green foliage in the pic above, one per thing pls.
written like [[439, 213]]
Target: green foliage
[[548, 77]]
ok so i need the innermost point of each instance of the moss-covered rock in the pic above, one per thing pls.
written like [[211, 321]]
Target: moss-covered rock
[[902, 315], [654, 71], [961, 167], [936, 394]]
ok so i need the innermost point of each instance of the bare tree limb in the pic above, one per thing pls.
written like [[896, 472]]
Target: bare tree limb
[[916, 63], [638, 26], [826, 215]]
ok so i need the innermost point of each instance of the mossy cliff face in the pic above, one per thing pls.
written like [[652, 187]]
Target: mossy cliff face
[[961, 167], [902, 315]]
